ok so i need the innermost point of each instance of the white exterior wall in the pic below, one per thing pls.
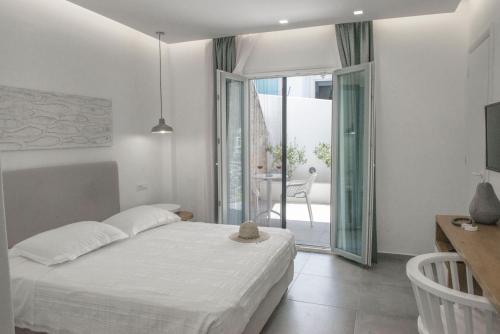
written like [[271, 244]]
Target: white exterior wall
[[309, 123]]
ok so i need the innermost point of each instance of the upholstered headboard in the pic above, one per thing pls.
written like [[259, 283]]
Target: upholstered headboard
[[43, 198]]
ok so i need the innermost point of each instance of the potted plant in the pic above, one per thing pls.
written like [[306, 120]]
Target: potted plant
[[295, 156], [323, 152]]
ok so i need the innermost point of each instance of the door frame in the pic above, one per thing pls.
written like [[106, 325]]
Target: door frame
[[221, 77], [291, 73], [368, 205]]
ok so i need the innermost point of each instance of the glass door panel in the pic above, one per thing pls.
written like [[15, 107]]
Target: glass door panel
[[309, 158], [232, 151], [265, 139], [353, 214]]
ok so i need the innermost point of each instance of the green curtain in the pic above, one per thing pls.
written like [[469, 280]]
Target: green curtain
[[224, 59], [225, 53], [355, 42], [355, 45]]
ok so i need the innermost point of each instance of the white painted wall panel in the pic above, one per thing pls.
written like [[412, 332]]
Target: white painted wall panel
[[420, 86]]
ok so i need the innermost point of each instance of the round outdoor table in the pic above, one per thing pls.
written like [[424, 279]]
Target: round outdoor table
[[269, 178]]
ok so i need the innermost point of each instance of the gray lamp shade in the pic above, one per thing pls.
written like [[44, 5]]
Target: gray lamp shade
[[162, 127]]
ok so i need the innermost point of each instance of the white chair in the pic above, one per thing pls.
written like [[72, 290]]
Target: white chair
[[447, 310], [302, 189]]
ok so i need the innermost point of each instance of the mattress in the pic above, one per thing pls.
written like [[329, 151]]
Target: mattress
[[178, 278]]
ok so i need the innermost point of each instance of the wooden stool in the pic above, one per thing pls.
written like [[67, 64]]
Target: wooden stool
[[185, 215]]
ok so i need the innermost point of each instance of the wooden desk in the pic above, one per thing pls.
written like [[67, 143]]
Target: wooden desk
[[480, 250]]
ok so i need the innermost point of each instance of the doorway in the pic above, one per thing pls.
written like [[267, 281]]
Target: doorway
[[295, 110]]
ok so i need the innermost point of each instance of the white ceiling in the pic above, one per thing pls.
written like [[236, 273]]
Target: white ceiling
[[185, 20]]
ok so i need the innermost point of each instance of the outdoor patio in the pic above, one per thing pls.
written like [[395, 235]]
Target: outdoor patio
[[316, 234]]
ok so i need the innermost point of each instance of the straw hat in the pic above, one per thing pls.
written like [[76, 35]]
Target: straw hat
[[249, 232]]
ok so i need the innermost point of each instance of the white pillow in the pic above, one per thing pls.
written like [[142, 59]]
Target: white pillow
[[67, 242], [141, 218]]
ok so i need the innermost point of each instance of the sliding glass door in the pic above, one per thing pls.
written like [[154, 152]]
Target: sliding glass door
[[232, 96], [353, 175]]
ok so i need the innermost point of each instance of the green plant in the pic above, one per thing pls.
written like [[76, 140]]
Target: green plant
[[323, 152], [295, 156]]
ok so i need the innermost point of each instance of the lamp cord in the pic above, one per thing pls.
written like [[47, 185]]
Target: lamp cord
[[161, 90]]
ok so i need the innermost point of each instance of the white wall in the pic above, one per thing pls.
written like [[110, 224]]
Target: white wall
[[301, 86], [420, 72], [58, 46], [483, 15], [289, 50], [191, 102], [309, 123]]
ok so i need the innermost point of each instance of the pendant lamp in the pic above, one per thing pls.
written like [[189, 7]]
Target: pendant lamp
[[162, 126]]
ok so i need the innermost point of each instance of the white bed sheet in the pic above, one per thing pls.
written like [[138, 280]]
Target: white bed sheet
[[179, 278]]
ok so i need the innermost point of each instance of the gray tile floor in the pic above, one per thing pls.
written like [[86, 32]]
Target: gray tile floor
[[318, 235], [332, 295]]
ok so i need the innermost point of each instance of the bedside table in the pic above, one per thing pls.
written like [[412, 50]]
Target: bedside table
[[185, 215]]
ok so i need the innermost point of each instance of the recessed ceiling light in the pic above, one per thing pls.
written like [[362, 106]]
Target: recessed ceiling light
[[283, 21], [358, 12]]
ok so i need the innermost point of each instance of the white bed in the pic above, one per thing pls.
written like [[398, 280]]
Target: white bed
[[179, 278]]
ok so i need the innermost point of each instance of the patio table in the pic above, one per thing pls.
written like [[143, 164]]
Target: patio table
[[269, 178]]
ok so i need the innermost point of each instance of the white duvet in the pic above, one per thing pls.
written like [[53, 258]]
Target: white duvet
[[179, 278]]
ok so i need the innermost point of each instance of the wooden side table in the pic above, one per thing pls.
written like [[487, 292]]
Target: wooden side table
[[185, 215]]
